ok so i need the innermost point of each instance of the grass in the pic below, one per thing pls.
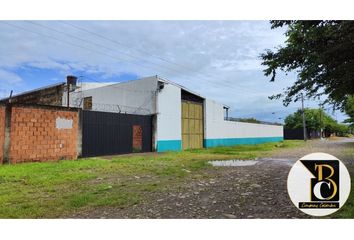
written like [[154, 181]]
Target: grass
[[347, 211], [57, 189]]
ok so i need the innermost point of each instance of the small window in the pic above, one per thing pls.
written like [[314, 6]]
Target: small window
[[88, 103]]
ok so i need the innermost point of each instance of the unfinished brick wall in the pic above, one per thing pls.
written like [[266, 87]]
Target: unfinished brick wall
[[2, 132], [42, 134]]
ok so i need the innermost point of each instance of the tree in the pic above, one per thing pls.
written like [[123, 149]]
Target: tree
[[349, 110], [249, 120], [316, 119], [321, 52], [312, 116]]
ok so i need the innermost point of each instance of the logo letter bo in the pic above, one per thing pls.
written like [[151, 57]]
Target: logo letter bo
[[331, 184]]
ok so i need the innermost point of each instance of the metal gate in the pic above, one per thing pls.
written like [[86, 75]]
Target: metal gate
[[106, 133]]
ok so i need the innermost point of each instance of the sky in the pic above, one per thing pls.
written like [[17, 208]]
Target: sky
[[218, 59]]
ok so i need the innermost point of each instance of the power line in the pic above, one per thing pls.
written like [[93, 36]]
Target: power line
[[148, 53], [69, 43], [118, 85], [122, 44], [95, 51], [96, 44], [60, 40], [102, 46], [136, 49], [303, 117]]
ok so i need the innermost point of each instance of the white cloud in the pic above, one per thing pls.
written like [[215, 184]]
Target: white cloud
[[220, 59], [198, 45], [9, 78]]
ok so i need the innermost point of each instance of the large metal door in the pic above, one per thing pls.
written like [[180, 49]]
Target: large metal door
[[106, 133], [192, 125]]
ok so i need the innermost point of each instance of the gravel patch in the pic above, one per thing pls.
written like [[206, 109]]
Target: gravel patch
[[258, 190], [233, 163]]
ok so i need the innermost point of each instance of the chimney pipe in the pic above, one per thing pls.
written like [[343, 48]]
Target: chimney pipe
[[70, 84]]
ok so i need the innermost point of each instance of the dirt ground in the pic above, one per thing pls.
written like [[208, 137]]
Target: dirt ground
[[257, 191]]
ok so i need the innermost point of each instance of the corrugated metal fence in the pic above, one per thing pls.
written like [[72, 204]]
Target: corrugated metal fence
[[106, 133]]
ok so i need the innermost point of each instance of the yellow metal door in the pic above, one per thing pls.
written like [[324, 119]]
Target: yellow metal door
[[192, 125]]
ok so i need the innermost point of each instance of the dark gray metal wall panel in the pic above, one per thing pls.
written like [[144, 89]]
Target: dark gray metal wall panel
[[112, 133], [191, 97], [292, 134]]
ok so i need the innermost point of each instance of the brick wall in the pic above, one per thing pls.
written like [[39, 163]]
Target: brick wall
[[43, 134], [2, 132], [46, 96]]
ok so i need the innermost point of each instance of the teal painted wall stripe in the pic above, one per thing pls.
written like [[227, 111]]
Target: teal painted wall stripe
[[239, 141], [169, 145], [176, 145]]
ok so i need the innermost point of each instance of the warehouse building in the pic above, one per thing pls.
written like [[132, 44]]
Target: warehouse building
[[158, 115], [67, 120]]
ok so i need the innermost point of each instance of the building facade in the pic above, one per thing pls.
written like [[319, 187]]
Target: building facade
[[182, 119]]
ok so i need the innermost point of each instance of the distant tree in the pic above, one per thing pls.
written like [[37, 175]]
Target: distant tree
[[341, 130], [249, 120], [349, 110], [322, 53], [315, 120]]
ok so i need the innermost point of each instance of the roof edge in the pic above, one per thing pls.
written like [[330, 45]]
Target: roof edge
[[34, 90]]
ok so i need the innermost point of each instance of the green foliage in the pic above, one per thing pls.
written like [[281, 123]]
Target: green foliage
[[315, 120], [347, 211], [249, 120], [349, 110], [341, 130], [321, 52]]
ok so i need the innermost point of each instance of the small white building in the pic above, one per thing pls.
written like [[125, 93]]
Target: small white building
[[182, 118]]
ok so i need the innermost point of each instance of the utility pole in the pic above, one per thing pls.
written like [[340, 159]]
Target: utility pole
[[303, 117], [10, 96], [68, 95], [321, 124]]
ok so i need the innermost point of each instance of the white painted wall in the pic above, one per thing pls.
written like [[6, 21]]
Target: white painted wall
[[217, 128], [169, 113], [90, 85], [134, 97], [140, 97]]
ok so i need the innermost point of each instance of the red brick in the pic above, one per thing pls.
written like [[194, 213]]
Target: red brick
[[34, 136], [2, 132]]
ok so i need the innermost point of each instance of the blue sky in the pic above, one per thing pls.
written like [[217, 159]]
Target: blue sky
[[218, 59]]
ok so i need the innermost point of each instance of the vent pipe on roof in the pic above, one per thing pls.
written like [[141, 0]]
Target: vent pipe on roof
[[71, 81], [70, 85]]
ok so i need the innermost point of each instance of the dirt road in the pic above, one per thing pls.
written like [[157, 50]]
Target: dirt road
[[257, 191]]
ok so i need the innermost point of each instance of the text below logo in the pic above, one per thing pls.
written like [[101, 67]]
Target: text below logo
[[319, 184]]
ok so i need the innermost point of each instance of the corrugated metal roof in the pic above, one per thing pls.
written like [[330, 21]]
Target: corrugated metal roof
[[109, 84], [34, 90], [180, 86], [184, 88]]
